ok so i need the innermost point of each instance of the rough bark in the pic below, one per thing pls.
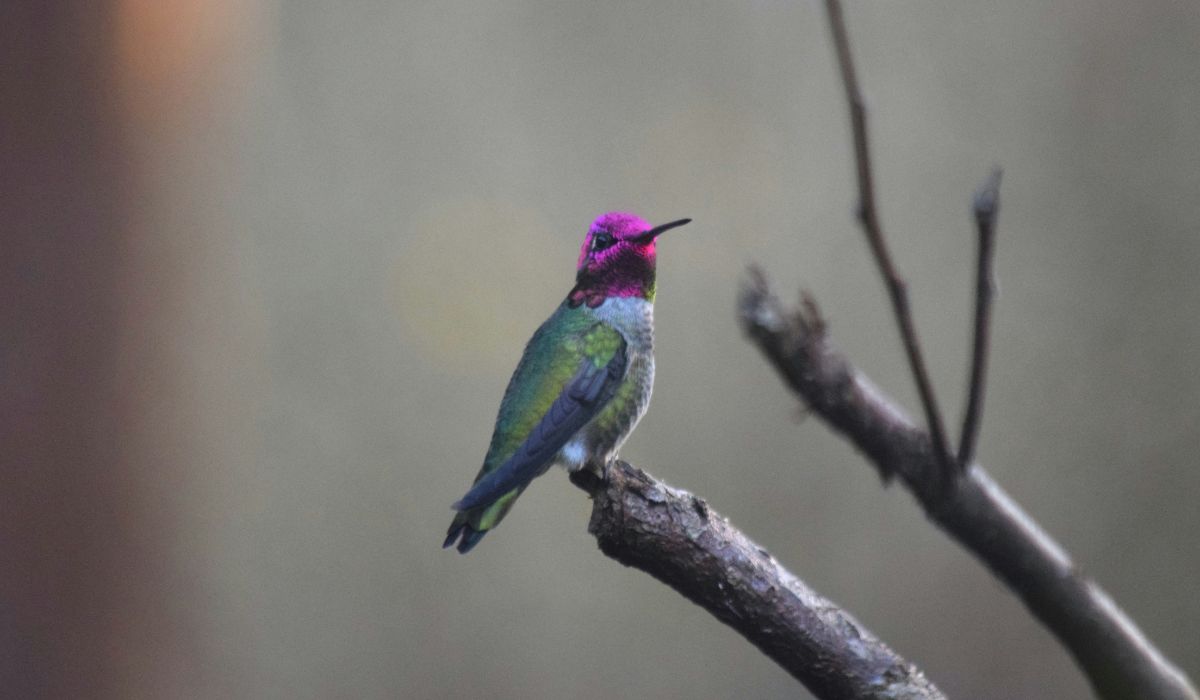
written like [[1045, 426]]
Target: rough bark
[[676, 538], [1118, 660]]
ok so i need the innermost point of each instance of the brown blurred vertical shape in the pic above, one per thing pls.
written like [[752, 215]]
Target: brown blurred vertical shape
[[67, 504], [91, 94]]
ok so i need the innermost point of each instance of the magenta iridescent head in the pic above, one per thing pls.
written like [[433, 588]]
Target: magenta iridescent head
[[617, 258], [617, 232]]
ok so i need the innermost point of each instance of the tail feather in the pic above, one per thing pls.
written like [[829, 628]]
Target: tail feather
[[513, 473], [472, 525], [470, 536]]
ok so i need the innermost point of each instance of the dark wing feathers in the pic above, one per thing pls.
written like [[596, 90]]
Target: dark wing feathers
[[581, 399]]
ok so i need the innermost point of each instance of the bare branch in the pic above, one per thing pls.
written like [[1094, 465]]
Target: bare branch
[[1113, 653], [676, 538], [986, 206], [869, 217]]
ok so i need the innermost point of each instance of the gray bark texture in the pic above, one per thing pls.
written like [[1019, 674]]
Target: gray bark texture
[[676, 538], [1118, 660]]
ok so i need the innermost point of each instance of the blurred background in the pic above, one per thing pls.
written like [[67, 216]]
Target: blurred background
[[267, 267]]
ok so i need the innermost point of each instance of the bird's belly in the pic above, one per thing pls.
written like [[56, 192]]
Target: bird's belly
[[599, 440]]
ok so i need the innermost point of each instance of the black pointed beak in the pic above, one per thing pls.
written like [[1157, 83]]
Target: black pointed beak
[[661, 229]]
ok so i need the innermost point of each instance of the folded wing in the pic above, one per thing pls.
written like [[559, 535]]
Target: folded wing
[[591, 387]]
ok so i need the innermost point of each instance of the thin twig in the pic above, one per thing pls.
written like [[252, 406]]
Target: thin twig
[[986, 206], [869, 217], [678, 539], [1118, 660]]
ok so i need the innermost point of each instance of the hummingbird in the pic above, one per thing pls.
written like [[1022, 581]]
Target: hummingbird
[[584, 380]]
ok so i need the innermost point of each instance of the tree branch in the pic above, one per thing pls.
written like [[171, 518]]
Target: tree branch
[[676, 538], [1113, 653], [869, 217], [986, 206]]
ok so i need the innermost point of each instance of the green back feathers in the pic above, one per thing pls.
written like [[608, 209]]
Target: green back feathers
[[554, 354]]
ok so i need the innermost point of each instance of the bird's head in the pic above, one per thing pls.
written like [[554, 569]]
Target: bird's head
[[617, 258]]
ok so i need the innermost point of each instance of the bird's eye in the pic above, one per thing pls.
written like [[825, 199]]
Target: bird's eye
[[601, 240]]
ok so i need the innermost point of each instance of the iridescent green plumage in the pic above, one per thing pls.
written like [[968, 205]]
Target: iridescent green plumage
[[570, 340], [553, 355]]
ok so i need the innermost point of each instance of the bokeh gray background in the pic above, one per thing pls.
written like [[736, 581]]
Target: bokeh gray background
[[363, 210]]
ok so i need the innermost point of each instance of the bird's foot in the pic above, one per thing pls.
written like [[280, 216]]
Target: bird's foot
[[590, 476]]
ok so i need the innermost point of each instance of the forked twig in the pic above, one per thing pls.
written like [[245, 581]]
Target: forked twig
[[869, 217], [1118, 660]]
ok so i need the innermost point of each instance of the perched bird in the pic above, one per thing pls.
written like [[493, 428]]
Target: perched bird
[[583, 381]]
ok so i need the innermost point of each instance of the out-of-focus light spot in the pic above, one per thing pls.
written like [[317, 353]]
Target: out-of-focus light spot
[[170, 51], [473, 278]]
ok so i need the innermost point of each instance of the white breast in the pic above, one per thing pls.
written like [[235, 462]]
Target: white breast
[[633, 317]]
